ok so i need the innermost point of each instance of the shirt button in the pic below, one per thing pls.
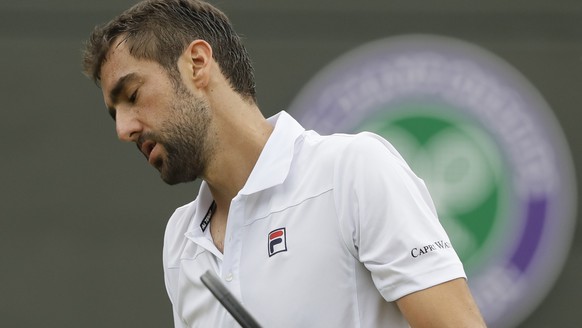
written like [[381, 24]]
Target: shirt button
[[228, 277]]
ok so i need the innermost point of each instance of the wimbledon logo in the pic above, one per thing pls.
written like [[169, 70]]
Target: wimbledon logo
[[484, 141]]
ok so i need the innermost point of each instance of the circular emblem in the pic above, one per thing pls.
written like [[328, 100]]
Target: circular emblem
[[485, 142]]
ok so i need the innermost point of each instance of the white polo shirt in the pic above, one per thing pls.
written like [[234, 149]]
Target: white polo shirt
[[328, 231]]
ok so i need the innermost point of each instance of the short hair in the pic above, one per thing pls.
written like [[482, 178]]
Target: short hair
[[160, 30]]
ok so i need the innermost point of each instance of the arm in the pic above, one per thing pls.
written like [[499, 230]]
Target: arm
[[449, 304], [387, 214]]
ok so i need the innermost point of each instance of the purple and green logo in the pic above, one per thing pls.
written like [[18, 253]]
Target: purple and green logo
[[485, 142]]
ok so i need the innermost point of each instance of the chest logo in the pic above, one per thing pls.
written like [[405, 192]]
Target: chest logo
[[277, 241]]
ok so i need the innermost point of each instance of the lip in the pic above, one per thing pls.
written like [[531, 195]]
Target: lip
[[153, 157], [147, 147]]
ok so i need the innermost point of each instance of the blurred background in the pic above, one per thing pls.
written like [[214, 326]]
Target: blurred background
[[82, 215]]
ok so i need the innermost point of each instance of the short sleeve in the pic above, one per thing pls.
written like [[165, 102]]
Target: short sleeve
[[388, 219]]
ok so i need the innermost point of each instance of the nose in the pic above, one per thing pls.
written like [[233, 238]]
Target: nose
[[127, 126]]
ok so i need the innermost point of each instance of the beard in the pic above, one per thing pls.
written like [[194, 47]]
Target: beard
[[185, 138]]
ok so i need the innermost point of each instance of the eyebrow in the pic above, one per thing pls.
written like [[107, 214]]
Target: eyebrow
[[117, 89]]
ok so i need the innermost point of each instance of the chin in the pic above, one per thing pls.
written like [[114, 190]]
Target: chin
[[174, 179], [170, 180]]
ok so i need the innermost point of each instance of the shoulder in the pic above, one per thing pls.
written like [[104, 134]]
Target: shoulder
[[350, 144], [341, 158], [369, 145], [341, 145], [174, 237], [364, 153], [180, 219], [373, 172]]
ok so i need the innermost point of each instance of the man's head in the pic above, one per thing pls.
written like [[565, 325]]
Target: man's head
[[166, 67], [160, 30]]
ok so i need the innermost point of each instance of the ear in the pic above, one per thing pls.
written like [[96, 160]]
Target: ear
[[198, 56]]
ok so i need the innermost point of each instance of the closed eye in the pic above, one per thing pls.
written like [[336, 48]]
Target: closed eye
[[133, 97]]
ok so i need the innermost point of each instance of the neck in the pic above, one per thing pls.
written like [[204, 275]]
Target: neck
[[241, 135]]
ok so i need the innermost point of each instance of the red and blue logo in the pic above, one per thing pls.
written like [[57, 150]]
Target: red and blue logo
[[277, 241]]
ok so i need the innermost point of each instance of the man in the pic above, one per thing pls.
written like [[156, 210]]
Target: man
[[305, 230]]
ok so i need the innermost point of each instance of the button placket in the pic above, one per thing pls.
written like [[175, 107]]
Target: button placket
[[232, 250]]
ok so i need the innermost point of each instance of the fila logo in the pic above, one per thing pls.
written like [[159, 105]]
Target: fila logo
[[277, 241]]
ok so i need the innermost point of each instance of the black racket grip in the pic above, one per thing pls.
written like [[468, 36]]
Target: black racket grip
[[230, 303]]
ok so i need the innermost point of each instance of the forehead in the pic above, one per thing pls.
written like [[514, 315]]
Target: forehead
[[119, 63]]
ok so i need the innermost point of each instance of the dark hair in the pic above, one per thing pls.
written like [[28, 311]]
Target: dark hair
[[160, 30]]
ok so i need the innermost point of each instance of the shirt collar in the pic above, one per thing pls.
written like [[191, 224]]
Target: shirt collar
[[273, 164], [271, 169]]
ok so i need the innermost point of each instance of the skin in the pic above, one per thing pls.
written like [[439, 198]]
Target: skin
[[449, 304], [230, 133], [236, 131]]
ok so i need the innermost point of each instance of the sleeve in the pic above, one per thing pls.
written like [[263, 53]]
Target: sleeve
[[388, 220]]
